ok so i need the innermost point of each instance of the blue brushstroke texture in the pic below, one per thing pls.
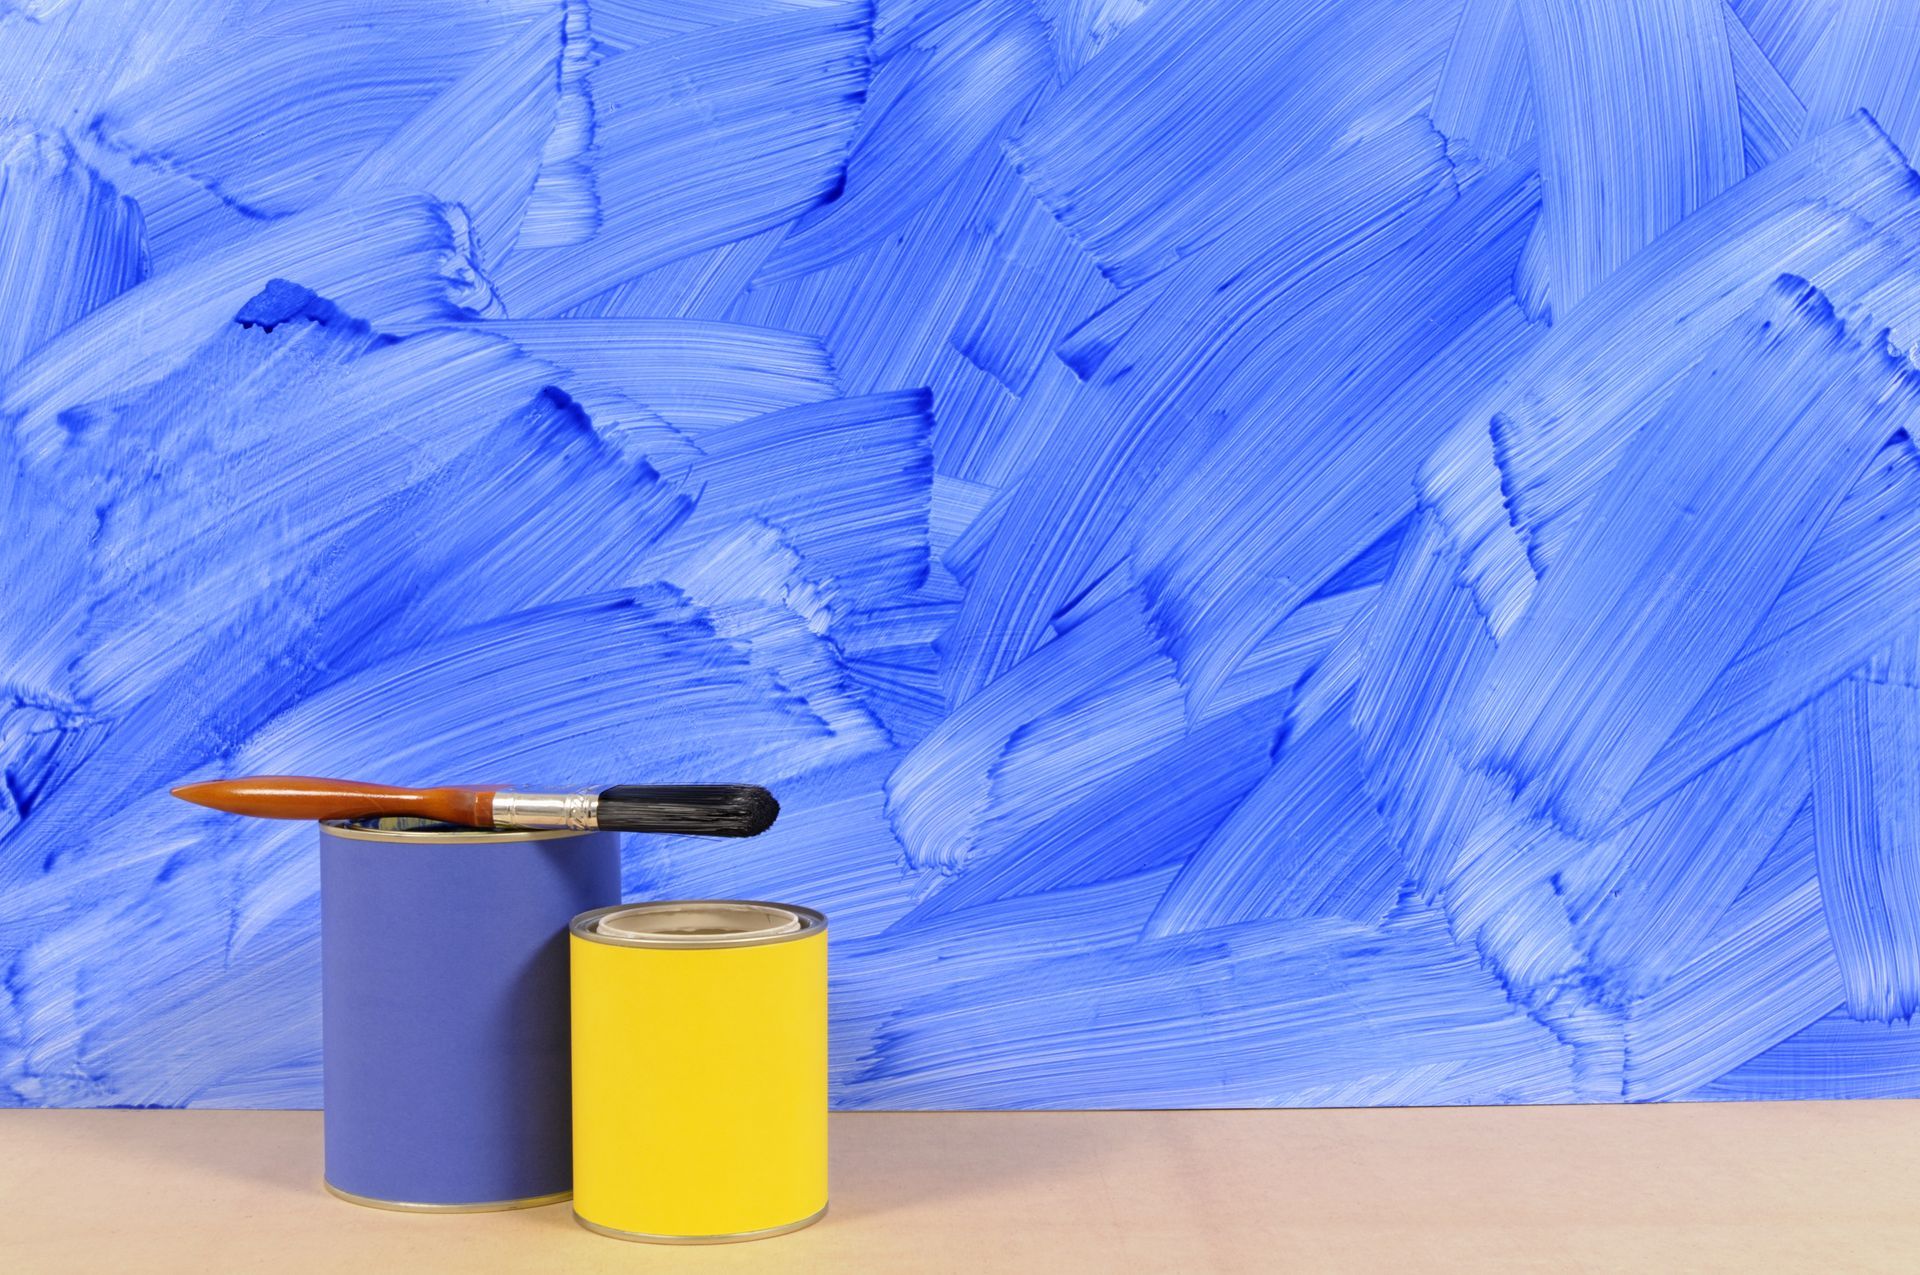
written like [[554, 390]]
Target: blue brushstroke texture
[[1327, 552]]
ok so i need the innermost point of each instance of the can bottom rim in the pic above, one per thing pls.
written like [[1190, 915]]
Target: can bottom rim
[[483, 1206], [735, 1237]]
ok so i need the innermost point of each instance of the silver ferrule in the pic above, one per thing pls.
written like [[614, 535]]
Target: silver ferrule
[[546, 810]]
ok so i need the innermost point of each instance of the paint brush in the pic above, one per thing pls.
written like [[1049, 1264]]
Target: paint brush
[[701, 810]]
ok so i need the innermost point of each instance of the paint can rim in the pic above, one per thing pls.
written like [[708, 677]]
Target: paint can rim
[[356, 829], [737, 1237], [481, 1206], [586, 926]]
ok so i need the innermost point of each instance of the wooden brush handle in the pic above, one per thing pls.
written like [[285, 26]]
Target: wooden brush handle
[[299, 797]]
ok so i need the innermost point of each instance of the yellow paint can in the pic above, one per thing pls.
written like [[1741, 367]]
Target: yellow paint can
[[699, 1070]]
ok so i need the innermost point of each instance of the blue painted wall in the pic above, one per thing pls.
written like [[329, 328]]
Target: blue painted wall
[[1336, 551]]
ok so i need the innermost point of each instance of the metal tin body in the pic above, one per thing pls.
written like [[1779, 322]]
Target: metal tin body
[[699, 1071], [444, 1009]]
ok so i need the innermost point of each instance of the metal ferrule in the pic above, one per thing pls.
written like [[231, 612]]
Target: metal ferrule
[[546, 809]]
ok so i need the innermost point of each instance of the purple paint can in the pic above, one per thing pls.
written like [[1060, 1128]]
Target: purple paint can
[[444, 1005]]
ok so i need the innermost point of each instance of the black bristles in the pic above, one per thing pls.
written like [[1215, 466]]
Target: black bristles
[[696, 810]]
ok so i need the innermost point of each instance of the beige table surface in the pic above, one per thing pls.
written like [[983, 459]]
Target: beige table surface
[[1819, 1187]]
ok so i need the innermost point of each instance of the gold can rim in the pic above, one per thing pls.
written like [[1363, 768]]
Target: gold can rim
[[479, 1206], [735, 1237], [586, 926], [350, 830]]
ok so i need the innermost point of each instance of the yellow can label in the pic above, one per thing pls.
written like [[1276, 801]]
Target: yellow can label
[[699, 1086]]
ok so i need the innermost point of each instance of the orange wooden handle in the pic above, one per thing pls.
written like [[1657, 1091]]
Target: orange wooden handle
[[304, 797]]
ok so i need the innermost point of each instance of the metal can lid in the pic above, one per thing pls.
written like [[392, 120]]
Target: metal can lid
[[699, 924]]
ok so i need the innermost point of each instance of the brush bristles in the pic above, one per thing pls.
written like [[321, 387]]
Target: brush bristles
[[697, 810]]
